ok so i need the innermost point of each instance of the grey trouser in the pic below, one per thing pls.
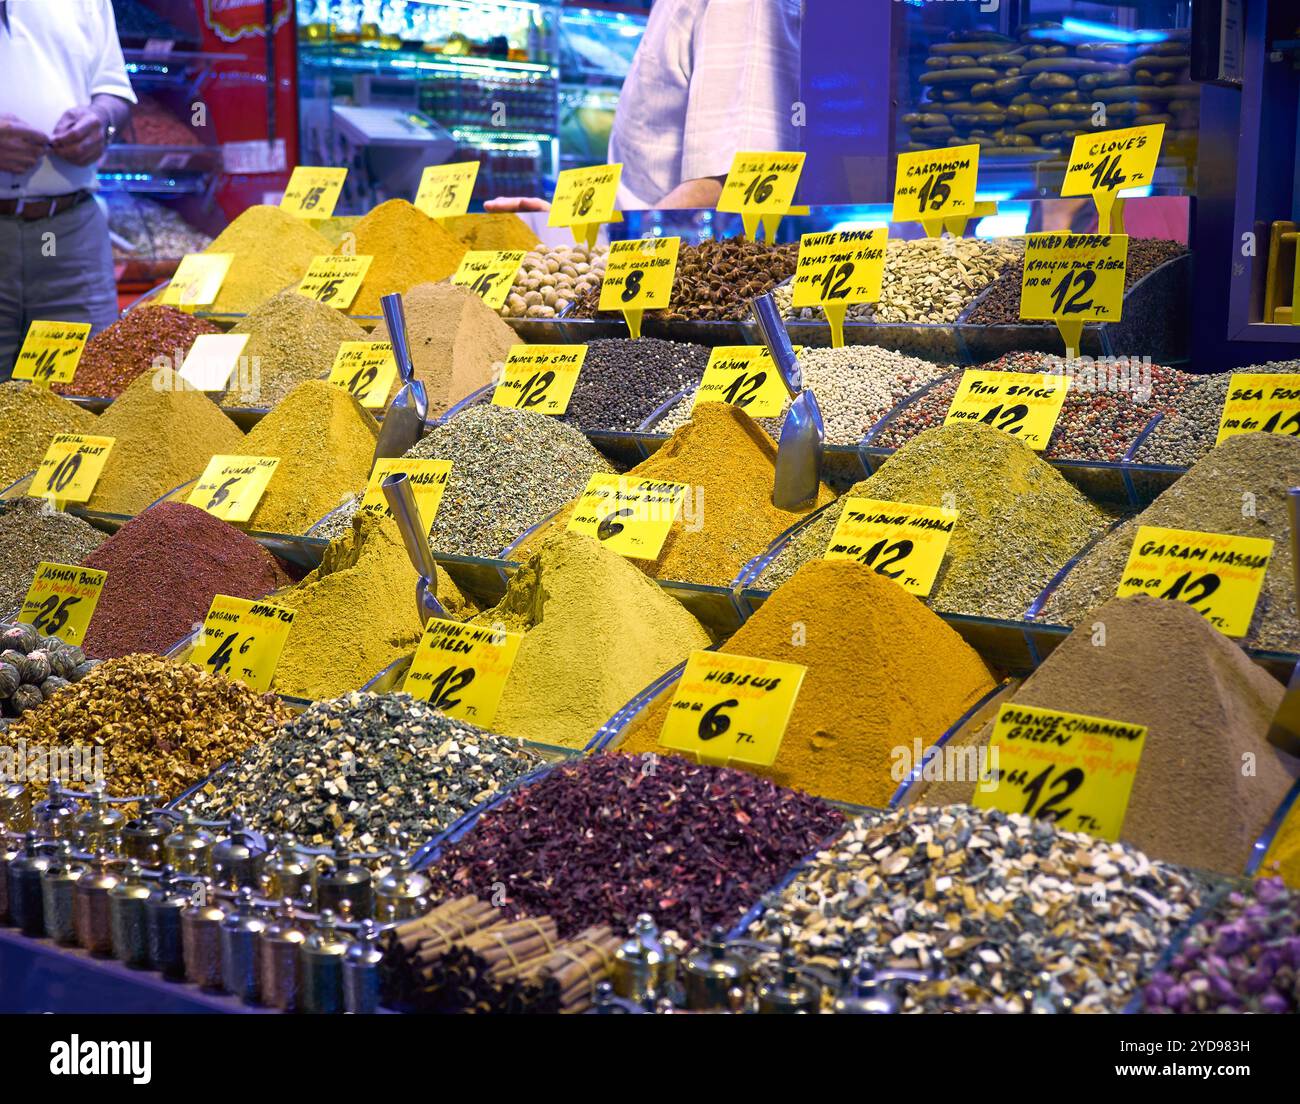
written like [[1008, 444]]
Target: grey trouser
[[58, 269]]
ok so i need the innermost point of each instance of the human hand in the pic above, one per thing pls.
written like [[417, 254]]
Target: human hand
[[80, 136], [21, 147], [516, 204]]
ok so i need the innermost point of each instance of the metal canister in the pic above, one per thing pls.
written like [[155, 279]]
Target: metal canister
[[188, 849], [90, 906], [201, 938], [58, 894], [361, 971], [402, 893], [15, 805], [345, 887], [26, 905], [240, 932], [322, 967], [143, 834], [788, 993], [126, 917], [278, 962], [100, 824], [711, 973], [9, 850], [55, 817], [284, 872], [162, 913], [644, 966], [235, 859]]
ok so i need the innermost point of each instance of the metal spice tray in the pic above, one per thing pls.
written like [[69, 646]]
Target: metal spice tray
[[705, 332], [1259, 850]]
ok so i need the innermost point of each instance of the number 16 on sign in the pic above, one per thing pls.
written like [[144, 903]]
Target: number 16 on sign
[[1071, 279]]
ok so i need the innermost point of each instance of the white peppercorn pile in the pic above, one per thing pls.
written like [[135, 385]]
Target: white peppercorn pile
[[623, 382], [1021, 915], [509, 470], [1188, 431], [361, 764], [30, 534], [552, 276], [855, 387]]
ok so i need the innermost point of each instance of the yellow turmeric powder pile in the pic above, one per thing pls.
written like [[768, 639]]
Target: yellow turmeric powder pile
[[883, 672], [272, 250], [407, 248]]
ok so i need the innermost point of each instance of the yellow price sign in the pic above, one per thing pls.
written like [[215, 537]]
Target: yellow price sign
[[903, 541], [838, 268], [231, 486], [62, 599], [51, 352], [335, 279], [489, 273], [760, 187], [731, 708], [461, 670], [242, 640], [1104, 162], [744, 376], [445, 190], [212, 360], [71, 468], [428, 481], [1218, 574], [313, 191], [1067, 767], [1261, 402], [639, 277], [1024, 404], [584, 198], [937, 188], [540, 377], [197, 280], [365, 370], [629, 516], [1071, 279]]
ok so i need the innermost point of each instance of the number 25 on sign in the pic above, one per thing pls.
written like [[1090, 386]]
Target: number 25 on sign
[[1071, 279], [61, 600]]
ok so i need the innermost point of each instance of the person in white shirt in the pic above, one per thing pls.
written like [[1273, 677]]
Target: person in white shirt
[[709, 79], [64, 92]]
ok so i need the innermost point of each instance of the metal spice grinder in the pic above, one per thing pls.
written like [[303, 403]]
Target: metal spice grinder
[[189, 849], [345, 887], [26, 904], [9, 850], [788, 993], [56, 817], [279, 964], [127, 924], [322, 967], [361, 971], [15, 805], [90, 906], [100, 824], [58, 895], [711, 973], [235, 858], [240, 932], [284, 873], [402, 893], [645, 966], [201, 938], [143, 835], [162, 914]]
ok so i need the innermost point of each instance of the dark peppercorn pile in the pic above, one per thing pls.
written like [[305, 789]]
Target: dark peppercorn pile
[[624, 382]]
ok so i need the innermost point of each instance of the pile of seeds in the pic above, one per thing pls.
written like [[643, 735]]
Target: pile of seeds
[[1244, 956], [855, 387], [510, 469], [929, 280], [1240, 488], [156, 720], [33, 668], [29, 417], [361, 764], [1005, 906], [624, 382], [1105, 409], [1019, 521], [1001, 306], [551, 277], [1188, 431], [31, 534], [715, 280], [601, 840]]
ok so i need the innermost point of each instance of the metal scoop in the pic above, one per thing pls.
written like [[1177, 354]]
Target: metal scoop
[[799, 452], [404, 418], [1284, 733], [401, 500]]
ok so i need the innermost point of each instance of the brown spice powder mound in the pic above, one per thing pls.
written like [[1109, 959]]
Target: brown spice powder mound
[[1208, 780], [407, 248]]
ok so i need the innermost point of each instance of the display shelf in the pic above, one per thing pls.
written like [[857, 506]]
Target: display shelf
[[149, 183], [138, 158]]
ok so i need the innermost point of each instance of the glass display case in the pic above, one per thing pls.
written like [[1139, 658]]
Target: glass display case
[[596, 48]]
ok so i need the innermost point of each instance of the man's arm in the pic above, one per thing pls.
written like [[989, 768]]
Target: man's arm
[[704, 191]]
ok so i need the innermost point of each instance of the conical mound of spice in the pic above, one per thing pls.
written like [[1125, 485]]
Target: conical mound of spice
[[355, 613], [29, 417], [272, 251], [155, 720], [458, 343], [597, 632], [325, 441], [408, 248], [1240, 488], [114, 357], [181, 552], [164, 436], [1208, 780], [291, 339], [1019, 521], [492, 230], [872, 652], [608, 837], [32, 533]]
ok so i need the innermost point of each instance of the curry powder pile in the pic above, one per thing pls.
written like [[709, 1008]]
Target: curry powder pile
[[272, 251], [407, 248]]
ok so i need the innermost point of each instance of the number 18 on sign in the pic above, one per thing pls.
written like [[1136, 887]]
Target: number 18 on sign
[[61, 600], [242, 640], [1071, 279], [732, 709]]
